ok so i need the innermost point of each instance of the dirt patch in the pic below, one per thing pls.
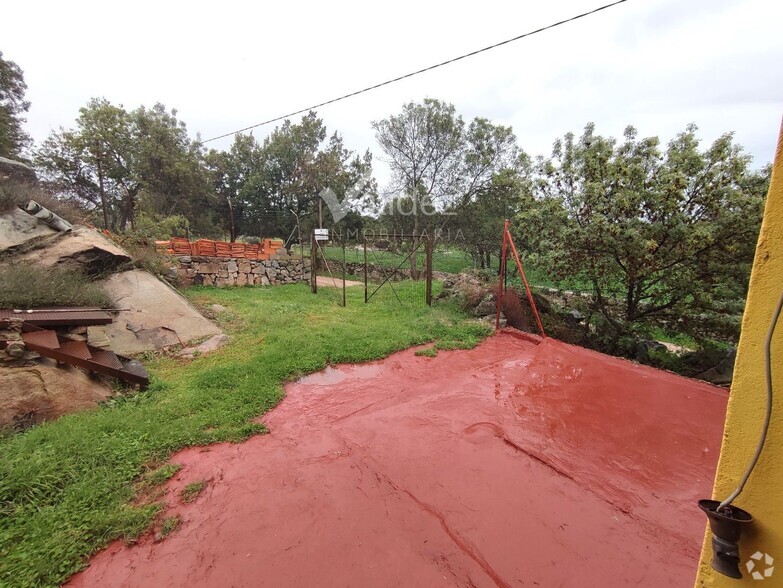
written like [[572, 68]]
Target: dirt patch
[[328, 282], [512, 464]]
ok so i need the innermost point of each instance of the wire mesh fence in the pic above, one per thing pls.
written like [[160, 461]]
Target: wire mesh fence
[[398, 269], [328, 276], [394, 270]]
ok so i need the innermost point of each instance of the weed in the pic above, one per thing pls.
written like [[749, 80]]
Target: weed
[[161, 474], [144, 255], [169, 525], [32, 286], [192, 491], [13, 194]]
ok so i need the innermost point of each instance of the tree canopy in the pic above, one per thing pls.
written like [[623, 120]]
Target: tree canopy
[[125, 163], [13, 138], [446, 175], [270, 185], [657, 234]]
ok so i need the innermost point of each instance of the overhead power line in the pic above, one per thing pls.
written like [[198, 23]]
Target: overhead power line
[[420, 71]]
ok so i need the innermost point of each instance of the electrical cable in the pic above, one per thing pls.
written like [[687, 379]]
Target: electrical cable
[[768, 416], [420, 71]]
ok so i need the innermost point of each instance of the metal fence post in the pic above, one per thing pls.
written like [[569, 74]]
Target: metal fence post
[[428, 270], [501, 275], [365, 269], [313, 263]]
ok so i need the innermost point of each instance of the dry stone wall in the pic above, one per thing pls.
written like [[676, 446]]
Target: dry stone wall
[[225, 271], [377, 273]]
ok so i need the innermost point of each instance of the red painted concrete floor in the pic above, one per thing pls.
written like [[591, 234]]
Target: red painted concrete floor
[[513, 464]]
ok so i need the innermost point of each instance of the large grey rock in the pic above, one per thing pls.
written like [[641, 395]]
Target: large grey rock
[[82, 247], [152, 316], [723, 371], [16, 171], [208, 346], [18, 228]]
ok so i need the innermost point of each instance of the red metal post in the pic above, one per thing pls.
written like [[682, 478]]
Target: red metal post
[[524, 281]]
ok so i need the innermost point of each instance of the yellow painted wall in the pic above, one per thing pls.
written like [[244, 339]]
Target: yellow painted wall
[[763, 494]]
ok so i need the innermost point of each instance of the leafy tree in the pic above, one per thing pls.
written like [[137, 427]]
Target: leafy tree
[[13, 140], [273, 184], [439, 166], [170, 167], [480, 220], [658, 235], [425, 145], [120, 163], [234, 180]]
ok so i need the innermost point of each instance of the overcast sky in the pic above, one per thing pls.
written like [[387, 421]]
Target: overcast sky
[[656, 64]]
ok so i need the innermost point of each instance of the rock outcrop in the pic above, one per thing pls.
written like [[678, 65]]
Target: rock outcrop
[[83, 248], [19, 229], [16, 171], [44, 392], [151, 316]]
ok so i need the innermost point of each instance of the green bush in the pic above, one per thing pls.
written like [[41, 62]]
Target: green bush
[[153, 226], [32, 286]]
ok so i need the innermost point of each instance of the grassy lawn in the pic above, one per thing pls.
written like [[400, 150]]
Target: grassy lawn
[[66, 487], [452, 261]]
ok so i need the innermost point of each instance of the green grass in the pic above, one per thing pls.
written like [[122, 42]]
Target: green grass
[[191, 491], [160, 475], [169, 525], [66, 487], [680, 339], [427, 352], [452, 261]]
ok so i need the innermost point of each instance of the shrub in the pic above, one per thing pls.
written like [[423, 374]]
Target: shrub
[[144, 255], [32, 286], [153, 226]]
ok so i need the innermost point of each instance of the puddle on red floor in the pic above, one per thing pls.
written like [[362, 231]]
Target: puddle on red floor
[[332, 375], [512, 464]]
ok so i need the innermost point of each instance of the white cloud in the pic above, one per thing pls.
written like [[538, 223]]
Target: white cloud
[[656, 64]]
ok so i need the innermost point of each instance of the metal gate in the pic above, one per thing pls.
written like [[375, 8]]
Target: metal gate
[[395, 269], [327, 252], [398, 268]]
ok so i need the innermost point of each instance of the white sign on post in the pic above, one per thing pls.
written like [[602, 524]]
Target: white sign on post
[[322, 234]]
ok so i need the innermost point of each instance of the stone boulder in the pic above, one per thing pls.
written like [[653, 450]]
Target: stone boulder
[[720, 362], [16, 171], [17, 229], [84, 248], [151, 316], [44, 392], [208, 346]]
